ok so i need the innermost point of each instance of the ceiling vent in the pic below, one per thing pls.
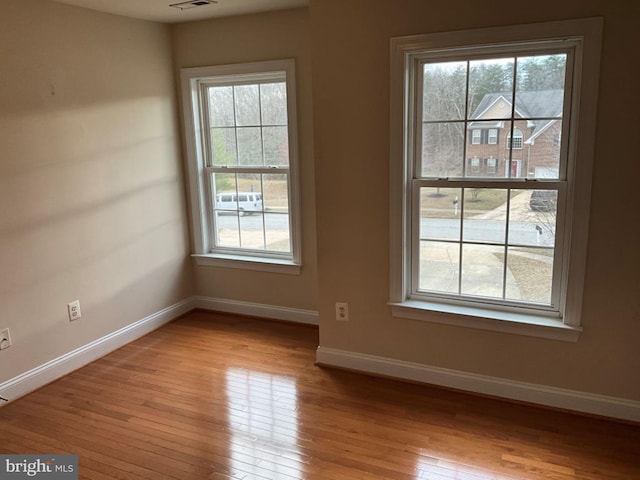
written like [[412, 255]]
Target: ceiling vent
[[192, 4]]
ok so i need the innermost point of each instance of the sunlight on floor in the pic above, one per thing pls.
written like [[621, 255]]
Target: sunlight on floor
[[432, 468], [263, 418]]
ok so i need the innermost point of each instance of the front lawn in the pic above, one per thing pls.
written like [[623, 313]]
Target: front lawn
[[439, 203]]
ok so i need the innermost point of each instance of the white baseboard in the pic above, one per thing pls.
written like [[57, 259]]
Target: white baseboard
[[498, 387], [261, 310], [532, 393], [37, 377]]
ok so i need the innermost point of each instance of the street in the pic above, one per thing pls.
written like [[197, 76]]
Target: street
[[492, 231], [253, 222]]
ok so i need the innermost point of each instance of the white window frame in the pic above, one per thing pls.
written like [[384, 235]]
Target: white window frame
[[476, 136], [492, 138], [585, 37], [201, 195]]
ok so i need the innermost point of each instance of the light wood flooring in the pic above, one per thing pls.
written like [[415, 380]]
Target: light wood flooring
[[212, 396]]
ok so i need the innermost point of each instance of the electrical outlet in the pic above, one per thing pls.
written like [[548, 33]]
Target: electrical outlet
[[342, 311], [5, 339], [74, 310]]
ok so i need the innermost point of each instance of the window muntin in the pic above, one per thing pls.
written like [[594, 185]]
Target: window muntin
[[479, 241], [242, 162]]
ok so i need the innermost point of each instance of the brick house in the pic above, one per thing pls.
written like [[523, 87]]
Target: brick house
[[536, 135]]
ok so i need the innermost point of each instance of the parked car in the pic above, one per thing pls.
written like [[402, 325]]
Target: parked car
[[244, 203], [543, 200]]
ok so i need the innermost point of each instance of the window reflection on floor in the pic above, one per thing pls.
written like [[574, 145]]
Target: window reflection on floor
[[263, 419], [432, 468]]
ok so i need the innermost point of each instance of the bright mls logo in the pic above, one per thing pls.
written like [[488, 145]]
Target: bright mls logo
[[52, 467]]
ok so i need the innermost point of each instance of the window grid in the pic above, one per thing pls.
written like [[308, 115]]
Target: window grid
[[516, 144], [211, 162], [240, 123], [517, 139], [261, 169]]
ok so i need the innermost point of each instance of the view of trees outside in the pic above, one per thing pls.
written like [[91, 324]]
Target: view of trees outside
[[490, 242], [249, 125], [249, 130]]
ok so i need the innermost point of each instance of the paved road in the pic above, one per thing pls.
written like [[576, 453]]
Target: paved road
[[274, 221], [521, 233]]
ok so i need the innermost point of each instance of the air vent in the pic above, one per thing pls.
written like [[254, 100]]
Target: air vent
[[192, 4]]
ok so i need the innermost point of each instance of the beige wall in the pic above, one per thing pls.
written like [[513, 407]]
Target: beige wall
[[254, 38], [88, 99], [350, 41], [91, 191]]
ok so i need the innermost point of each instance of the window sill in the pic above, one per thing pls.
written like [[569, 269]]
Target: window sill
[[493, 320], [261, 264]]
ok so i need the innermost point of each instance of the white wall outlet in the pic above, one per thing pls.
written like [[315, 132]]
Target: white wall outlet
[[342, 311], [5, 339], [74, 310]]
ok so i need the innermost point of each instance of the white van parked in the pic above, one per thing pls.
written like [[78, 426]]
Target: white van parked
[[244, 203]]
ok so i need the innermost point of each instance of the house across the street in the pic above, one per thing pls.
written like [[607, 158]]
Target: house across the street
[[534, 136]]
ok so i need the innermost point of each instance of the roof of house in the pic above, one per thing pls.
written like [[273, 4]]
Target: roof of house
[[534, 104]]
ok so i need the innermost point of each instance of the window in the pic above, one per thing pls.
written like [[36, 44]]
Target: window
[[241, 145], [492, 166], [474, 163], [476, 137], [493, 136], [517, 139], [496, 261]]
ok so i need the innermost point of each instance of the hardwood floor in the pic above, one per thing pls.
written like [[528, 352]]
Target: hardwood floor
[[213, 396]]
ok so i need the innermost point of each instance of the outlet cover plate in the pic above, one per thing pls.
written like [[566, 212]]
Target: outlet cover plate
[[74, 310], [5, 338], [342, 311]]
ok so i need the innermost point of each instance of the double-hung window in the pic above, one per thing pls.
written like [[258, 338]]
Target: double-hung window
[[241, 147], [502, 248]]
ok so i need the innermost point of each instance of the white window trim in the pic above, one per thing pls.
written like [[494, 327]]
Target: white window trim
[[476, 136], [198, 192], [493, 137], [589, 32]]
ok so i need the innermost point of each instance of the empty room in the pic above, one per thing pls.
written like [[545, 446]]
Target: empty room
[[319, 239]]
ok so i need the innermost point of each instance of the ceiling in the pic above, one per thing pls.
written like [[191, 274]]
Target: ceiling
[[159, 10]]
